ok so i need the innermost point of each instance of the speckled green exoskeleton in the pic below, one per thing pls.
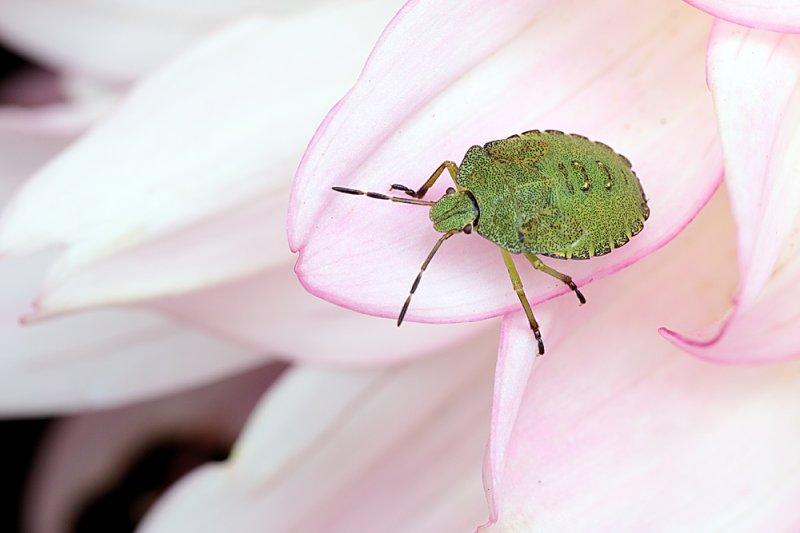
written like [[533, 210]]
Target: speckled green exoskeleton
[[538, 193]]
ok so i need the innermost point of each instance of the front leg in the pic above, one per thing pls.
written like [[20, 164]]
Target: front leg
[[419, 193]]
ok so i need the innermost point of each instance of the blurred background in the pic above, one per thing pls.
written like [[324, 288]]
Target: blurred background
[[20, 439], [112, 489]]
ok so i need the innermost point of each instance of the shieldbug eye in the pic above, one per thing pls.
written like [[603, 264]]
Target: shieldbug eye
[[450, 190]]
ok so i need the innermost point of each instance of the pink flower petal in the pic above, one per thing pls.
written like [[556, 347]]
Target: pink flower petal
[[428, 93], [774, 15], [115, 40], [514, 365], [86, 454], [93, 360], [29, 137], [753, 75], [272, 313], [98, 359], [617, 431], [378, 450], [191, 171]]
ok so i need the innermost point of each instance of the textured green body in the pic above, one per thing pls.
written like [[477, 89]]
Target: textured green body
[[554, 194]]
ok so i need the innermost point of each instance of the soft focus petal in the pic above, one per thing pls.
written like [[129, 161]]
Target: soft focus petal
[[442, 79], [774, 15], [272, 313], [191, 171], [86, 455], [620, 432], [29, 137], [755, 78], [116, 40], [390, 450], [98, 359], [26, 85]]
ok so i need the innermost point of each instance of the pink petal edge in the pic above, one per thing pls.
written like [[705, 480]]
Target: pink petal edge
[[753, 76], [100, 359], [515, 362], [759, 14]]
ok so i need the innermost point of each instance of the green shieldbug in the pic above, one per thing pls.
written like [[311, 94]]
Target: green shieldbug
[[538, 193]]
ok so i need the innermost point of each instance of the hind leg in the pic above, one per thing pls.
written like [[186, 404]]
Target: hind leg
[[539, 265]]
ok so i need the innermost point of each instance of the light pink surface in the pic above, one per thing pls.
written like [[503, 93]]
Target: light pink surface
[[773, 15], [100, 358], [271, 313], [514, 365], [84, 455], [192, 170], [754, 76], [119, 40], [137, 234], [620, 431], [442, 79], [31, 136], [391, 450]]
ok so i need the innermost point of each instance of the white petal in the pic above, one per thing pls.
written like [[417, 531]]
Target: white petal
[[390, 450], [85, 454]]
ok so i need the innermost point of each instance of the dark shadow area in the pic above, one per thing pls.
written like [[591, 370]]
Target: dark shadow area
[[19, 442], [119, 508]]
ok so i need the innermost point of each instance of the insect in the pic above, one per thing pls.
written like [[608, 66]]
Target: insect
[[538, 193]]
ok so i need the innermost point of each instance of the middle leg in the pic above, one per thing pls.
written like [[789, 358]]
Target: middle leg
[[517, 283]]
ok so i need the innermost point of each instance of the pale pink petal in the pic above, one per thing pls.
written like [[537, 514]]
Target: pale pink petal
[[391, 450], [89, 453], [442, 79], [272, 313], [29, 137], [191, 172], [754, 77], [774, 15], [116, 40], [618, 431], [514, 365], [99, 359]]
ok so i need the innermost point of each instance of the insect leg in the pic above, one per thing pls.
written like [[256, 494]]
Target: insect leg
[[419, 193], [517, 283], [539, 265]]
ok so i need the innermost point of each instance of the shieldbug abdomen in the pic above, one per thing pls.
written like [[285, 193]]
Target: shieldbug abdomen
[[537, 193]]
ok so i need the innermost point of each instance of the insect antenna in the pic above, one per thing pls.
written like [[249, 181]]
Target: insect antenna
[[379, 196], [421, 270]]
